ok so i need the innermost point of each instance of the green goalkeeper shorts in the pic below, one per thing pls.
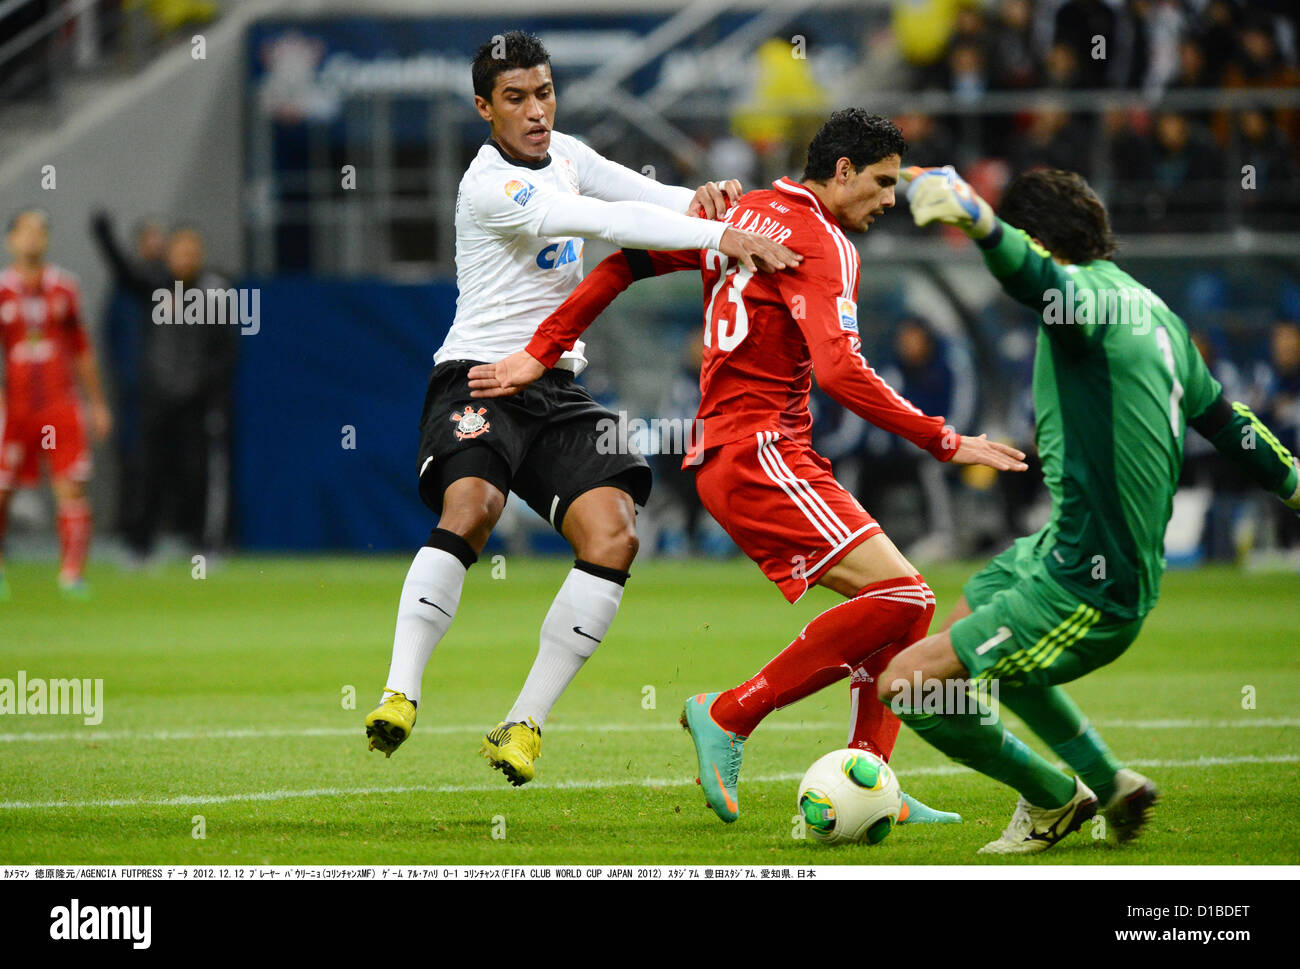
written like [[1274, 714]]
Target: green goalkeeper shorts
[[1025, 630]]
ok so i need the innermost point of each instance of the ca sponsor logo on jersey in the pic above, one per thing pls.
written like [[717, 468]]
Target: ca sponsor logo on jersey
[[848, 314], [471, 423], [520, 191], [557, 254]]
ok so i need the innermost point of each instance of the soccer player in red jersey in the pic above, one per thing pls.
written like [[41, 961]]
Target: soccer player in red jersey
[[46, 354], [756, 471]]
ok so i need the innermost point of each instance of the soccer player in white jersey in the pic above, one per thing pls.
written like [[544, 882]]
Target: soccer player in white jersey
[[525, 204]]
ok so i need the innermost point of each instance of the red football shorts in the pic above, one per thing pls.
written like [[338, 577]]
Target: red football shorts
[[55, 433], [779, 502]]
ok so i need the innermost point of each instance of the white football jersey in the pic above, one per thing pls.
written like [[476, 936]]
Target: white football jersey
[[510, 277]]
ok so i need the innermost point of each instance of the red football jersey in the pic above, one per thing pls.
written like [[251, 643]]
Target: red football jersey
[[765, 333], [42, 333]]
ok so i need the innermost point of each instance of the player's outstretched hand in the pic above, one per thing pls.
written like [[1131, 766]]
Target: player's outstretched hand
[[713, 199], [757, 252], [941, 195], [505, 378], [991, 454]]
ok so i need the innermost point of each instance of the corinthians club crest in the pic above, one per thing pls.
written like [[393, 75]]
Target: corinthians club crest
[[471, 423]]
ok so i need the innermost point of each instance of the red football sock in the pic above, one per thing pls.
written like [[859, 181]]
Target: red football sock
[[827, 650], [74, 537], [873, 726]]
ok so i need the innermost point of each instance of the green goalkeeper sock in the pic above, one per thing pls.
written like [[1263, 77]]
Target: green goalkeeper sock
[[983, 744], [1050, 713]]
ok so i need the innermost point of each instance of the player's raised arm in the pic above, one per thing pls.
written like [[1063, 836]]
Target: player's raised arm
[[599, 177], [564, 327], [1028, 272], [1233, 428]]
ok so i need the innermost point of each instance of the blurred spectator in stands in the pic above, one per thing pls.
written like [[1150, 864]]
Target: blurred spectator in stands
[[126, 321], [1281, 410], [1079, 23], [1013, 61], [1188, 172], [1216, 33], [1203, 467], [923, 30], [1054, 140], [1128, 137], [186, 400], [1270, 196], [1061, 69], [1259, 64], [966, 79], [787, 107]]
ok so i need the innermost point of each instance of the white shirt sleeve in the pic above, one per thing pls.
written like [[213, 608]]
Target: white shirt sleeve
[[517, 206], [600, 178]]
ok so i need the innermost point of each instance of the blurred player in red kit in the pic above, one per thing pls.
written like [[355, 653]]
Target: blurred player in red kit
[[46, 355], [756, 471]]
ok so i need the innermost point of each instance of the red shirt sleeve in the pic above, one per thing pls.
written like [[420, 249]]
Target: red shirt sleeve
[[816, 296], [562, 329]]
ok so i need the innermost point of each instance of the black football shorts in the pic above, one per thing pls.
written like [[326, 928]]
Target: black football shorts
[[548, 444]]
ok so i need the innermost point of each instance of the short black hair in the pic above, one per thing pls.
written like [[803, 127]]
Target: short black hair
[[854, 134], [1060, 210], [505, 52]]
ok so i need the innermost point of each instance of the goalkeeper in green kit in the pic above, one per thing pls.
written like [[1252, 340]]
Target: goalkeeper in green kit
[[1116, 382]]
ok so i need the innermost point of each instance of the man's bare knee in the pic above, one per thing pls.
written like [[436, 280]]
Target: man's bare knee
[[471, 508]]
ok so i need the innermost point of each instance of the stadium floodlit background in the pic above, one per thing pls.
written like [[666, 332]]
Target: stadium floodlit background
[[317, 149]]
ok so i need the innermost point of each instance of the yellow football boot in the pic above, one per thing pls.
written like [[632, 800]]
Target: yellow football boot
[[511, 748], [390, 723]]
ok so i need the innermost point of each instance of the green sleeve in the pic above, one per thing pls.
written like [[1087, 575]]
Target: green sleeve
[[1030, 275], [1247, 442]]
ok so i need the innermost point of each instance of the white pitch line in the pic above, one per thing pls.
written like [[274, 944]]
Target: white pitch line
[[249, 733], [587, 785]]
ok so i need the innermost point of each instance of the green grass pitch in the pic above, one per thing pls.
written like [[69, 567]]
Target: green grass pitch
[[225, 698]]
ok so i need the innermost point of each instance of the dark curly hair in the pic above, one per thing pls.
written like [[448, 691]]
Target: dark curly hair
[[1060, 210], [520, 49], [851, 133]]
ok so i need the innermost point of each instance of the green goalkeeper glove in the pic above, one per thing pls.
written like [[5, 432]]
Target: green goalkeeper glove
[[940, 195]]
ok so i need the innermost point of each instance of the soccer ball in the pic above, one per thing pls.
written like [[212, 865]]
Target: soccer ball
[[850, 796]]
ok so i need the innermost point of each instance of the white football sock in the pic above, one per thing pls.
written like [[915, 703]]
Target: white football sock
[[437, 577], [579, 618]]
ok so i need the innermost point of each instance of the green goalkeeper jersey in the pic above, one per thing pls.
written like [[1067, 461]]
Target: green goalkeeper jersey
[[1117, 380]]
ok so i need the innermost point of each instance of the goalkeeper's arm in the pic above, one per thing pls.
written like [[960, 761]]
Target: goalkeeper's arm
[[1244, 439]]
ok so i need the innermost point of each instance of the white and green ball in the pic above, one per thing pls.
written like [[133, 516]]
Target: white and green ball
[[849, 796]]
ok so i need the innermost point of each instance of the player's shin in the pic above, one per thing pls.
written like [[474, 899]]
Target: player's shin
[[872, 726], [427, 606], [578, 620], [977, 739], [74, 526], [826, 651], [1050, 713]]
